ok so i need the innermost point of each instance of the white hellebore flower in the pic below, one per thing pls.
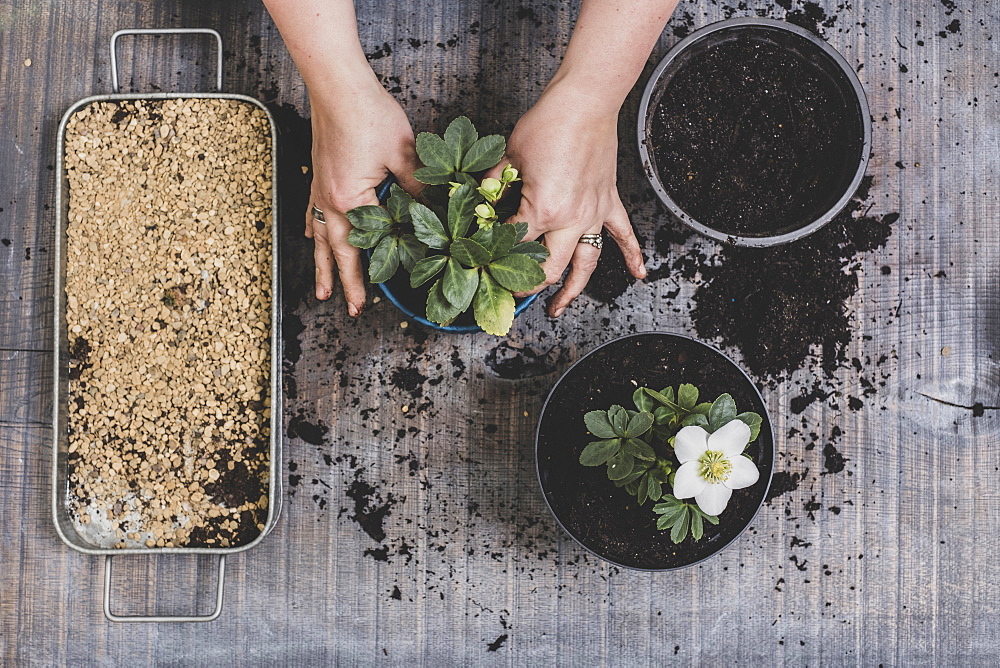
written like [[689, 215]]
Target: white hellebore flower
[[713, 465]]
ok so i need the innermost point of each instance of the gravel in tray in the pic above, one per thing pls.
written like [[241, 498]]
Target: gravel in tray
[[168, 294]]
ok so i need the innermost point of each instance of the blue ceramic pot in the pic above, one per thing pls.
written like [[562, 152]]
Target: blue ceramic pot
[[522, 304]]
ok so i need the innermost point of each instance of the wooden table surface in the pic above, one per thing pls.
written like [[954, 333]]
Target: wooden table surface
[[421, 536]]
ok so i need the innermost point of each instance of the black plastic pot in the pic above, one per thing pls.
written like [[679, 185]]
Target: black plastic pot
[[810, 52], [604, 519]]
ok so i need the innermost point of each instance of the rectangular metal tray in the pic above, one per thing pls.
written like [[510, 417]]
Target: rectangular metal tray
[[60, 437]]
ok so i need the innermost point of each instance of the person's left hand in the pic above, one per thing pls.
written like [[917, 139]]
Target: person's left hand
[[567, 154]]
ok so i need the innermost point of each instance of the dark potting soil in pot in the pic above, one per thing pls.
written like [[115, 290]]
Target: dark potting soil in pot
[[753, 139], [605, 518]]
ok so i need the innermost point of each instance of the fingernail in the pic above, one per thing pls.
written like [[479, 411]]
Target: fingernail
[[558, 312], [353, 311]]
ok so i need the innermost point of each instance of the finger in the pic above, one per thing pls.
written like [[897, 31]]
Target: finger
[[584, 263], [309, 222], [620, 229], [496, 171], [323, 259], [561, 244], [348, 261]]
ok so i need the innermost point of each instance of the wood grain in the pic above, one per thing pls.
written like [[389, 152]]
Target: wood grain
[[886, 561]]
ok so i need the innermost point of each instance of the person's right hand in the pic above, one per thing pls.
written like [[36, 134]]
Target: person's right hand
[[359, 136]]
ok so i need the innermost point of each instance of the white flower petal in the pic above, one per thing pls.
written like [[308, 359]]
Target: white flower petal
[[744, 473], [714, 498], [690, 443], [687, 482], [731, 440]]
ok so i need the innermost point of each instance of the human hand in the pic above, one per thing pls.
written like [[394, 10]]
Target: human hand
[[567, 154], [357, 140]]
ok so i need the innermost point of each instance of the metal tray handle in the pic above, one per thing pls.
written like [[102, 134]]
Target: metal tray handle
[[160, 618], [166, 31]]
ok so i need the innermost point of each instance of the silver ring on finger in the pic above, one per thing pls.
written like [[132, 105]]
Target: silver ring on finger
[[317, 214], [595, 240]]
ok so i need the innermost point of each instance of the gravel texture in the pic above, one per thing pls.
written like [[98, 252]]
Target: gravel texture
[[168, 293]]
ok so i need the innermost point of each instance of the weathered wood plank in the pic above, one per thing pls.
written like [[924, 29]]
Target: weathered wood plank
[[872, 557]]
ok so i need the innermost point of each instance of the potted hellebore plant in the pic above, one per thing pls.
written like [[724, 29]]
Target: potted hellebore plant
[[695, 448], [459, 253], [669, 483]]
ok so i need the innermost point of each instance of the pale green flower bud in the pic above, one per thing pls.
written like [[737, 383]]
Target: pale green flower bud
[[485, 211], [509, 174], [491, 188], [454, 188]]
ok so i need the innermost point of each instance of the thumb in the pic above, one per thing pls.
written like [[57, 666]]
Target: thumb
[[403, 169], [496, 171]]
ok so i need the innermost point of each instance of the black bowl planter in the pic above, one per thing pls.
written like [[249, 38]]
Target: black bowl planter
[[607, 520], [754, 132]]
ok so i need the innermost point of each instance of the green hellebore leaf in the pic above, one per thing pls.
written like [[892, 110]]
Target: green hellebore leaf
[[696, 420], [702, 408], [598, 453], [632, 477], [461, 209], [459, 284], [411, 251], [434, 176], [503, 240], [426, 269], [665, 399], [654, 490], [723, 412], [399, 204], [643, 401], [533, 249], [619, 419], [599, 424], [680, 529], [697, 528], [494, 306], [753, 421], [427, 226], [370, 218], [663, 414], [435, 152], [439, 309], [484, 236], [385, 260], [460, 136], [639, 449], [620, 465], [639, 424], [661, 434], [641, 492], [687, 396], [365, 238], [469, 253], [517, 273], [482, 155], [521, 230]]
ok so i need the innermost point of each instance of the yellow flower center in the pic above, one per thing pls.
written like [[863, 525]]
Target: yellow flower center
[[715, 466]]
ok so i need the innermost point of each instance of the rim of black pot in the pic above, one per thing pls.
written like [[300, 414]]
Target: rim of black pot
[[689, 339], [835, 56]]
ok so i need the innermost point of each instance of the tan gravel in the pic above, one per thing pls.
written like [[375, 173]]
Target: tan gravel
[[168, 294]]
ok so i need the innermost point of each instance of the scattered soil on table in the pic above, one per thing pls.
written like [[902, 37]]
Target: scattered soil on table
[[607, 519], [168, 304], [777, 305], [751, 139]]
